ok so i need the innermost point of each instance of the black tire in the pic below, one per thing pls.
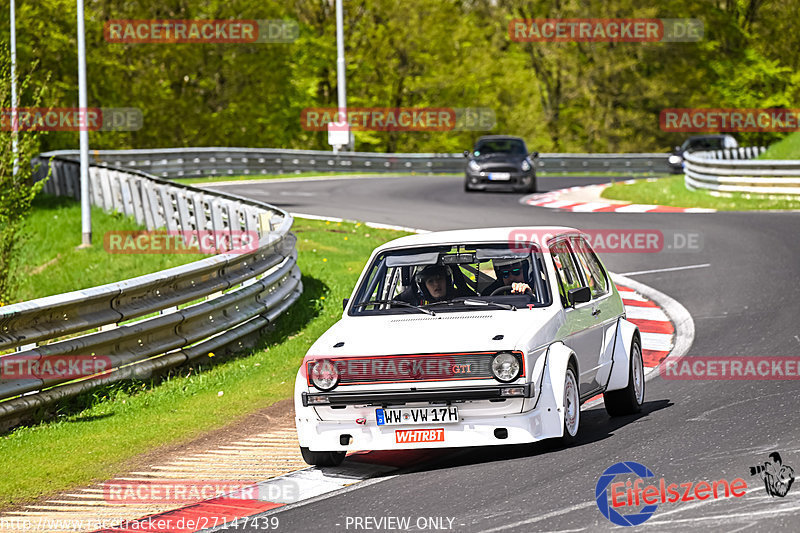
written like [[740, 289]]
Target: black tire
[[322, 458], [532, 186], [467, 188], [628, 401], [571, 429]]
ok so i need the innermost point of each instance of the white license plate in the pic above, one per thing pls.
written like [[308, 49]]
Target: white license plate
[[499, 176], [417, 415]]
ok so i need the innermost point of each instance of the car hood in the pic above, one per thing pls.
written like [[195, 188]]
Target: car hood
[[447, 332], [499, 158]]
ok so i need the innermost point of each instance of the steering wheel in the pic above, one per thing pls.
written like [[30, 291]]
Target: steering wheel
[[506, 289]]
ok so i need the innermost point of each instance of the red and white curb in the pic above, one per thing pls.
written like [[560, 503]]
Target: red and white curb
[[299, 487], [656, 329], [555, 200]]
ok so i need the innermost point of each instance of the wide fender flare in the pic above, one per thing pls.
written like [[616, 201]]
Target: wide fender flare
[[623, 342], [302, 412], [559, 356]]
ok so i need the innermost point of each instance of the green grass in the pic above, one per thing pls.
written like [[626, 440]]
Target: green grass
[[671, 191], [786, 148], [96, 435], [50, 262]]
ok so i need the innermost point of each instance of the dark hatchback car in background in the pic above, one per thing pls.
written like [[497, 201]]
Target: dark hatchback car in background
[[500, 162], [698, 143]]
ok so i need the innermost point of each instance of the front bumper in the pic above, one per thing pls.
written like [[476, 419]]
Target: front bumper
[[540, 423], [517, 180]]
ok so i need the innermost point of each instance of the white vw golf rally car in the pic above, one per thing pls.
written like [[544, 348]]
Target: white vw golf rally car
[[469, 338]]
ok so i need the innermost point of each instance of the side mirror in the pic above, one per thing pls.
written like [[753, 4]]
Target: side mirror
[[466, 153], [344, 303], [579, 295], [534, 154]]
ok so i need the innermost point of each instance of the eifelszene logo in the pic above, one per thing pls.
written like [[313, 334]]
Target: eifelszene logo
[[633, 494]]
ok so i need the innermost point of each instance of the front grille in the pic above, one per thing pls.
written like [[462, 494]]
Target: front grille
[[415, 368], [512, 170]]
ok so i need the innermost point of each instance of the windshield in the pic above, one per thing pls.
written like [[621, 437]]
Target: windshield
[[453, 278], [501, 146]]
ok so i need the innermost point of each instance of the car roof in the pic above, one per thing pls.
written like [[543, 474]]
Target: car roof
[[718, 136], [499, 138], [477, 235]]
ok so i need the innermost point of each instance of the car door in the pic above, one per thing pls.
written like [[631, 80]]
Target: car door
[[605, 308], [581, 329]]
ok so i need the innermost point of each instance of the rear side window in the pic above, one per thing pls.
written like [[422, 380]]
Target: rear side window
[[591, 268], [566, 270]]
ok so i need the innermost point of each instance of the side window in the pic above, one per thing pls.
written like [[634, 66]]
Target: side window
[[591, 268], [566, 271]]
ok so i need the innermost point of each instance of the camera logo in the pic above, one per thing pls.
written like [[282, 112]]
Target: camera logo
[[778, 478]]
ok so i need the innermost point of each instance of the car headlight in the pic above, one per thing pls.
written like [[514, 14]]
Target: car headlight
[[324, 375], [525, 165], [505, 367], [674, 159], [473, 166]]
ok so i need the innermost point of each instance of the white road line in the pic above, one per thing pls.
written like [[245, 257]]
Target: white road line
[[661, 342], [632, 297], [671, 269], [636, 208], [590, 206], [542, 517], [646, 313]]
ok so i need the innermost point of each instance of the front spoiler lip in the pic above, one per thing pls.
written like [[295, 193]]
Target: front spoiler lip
[[403, 397]]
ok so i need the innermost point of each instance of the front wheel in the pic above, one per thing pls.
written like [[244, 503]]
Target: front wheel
[[572, 407], [628, 401], [322, 458], [532, 186]]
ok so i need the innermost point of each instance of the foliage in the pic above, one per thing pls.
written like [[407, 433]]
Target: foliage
[[17, 186]]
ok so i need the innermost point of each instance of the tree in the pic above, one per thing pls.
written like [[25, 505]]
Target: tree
[[17, 189]]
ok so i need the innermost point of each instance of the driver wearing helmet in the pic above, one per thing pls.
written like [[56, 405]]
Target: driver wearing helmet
[[434, 283], [510, 272]]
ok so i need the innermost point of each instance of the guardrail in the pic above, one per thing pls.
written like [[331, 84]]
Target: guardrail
[[218, 304], [728, 171], [199, 162]]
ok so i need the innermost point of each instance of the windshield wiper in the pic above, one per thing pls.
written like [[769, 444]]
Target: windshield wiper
[[394, 302], [468, 301]]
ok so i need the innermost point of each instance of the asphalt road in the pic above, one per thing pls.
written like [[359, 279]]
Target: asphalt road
[[745, 302]]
